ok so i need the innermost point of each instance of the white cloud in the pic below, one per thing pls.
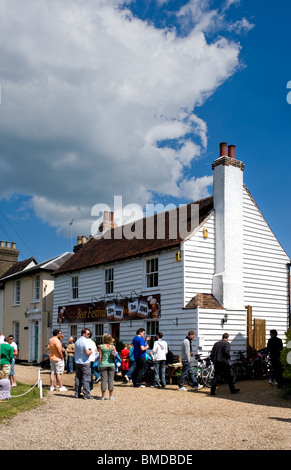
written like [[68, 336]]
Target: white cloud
[[92, 99]]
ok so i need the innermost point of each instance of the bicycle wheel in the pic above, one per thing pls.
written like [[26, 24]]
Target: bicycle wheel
[[207, 376], [239, 370]]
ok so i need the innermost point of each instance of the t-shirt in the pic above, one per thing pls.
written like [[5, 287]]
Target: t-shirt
[[160, 350], [106, 360], [6, 353], [55, 346], [137, 342], [81, 345], [71, 349], [14, 345]]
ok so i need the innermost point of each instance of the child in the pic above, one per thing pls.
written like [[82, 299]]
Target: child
[[125, 362]]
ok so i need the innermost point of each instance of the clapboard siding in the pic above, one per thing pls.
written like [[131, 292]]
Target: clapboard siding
[[199, 261], [265, 279], [265, 270], [129, 276]]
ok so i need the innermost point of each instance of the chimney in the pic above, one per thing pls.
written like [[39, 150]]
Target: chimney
[[223, 149], [108, 222], [228, 207], [81, 240], [8, 255]]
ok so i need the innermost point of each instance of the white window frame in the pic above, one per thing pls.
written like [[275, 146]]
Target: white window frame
[[74, 289], [152, 328], [36, 288], [109, 280], [74, 331], [17, 290], [151, 273], [100, 333]]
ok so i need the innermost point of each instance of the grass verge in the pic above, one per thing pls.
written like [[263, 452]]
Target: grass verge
[[21, 401]]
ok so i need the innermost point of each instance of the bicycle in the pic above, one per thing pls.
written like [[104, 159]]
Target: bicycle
[[198, 370], [241, 368], [257, 366], [209, 372]]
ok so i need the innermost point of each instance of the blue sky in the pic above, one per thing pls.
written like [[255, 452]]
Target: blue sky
[[132, 99]]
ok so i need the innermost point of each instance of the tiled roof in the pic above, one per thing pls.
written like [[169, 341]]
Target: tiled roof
[[204, 301], [24, 266], [98, 251], [18, 267]]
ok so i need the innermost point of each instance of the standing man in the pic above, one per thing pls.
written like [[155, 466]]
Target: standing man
[[83, 352], [160, 350], [220, 356], [186, 353], [139, 352], [70, 354], [15, 353], [56, 360], [274, 348]]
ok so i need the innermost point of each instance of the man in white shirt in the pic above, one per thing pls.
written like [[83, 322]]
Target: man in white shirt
[[83, 352], [160, 350], [15, 353]]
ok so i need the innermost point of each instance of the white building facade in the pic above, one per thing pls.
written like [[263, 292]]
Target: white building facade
[[228, 275]]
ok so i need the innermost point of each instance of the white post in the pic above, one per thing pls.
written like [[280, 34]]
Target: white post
[[39, 383]]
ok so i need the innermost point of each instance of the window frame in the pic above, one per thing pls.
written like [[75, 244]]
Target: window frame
[[98, 335], [109, 283], [36, 298], [17, 292], [152, 274], [152, 328], [74, 289]]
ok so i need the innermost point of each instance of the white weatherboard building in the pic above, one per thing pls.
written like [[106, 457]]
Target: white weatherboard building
[[228, 274]]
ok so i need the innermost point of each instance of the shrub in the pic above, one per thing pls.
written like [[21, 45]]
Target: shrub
[[286, 362]]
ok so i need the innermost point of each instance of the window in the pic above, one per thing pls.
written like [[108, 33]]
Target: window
[[152, 328], [74, 287], [109, 281], [17, 292], [36, 287], [152, 275], [99, 331], [73, 332]]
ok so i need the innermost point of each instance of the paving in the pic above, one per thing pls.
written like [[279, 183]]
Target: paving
[[257, 418]]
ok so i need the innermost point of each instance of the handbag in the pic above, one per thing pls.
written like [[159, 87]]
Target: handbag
[[113, 354]]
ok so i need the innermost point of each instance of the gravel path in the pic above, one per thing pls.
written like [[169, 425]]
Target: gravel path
[[151, 419]]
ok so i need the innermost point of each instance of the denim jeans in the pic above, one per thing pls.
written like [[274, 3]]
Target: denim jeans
[[160, 373], [83, 379], [131, 369], [138, 371], [70, 364], [187, 369]]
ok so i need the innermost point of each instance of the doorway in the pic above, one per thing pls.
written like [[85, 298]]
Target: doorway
[[115, 331]]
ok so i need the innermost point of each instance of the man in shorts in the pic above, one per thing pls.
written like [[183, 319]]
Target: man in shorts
[[56, 360]]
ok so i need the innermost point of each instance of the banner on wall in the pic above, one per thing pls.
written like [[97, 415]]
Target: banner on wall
[[122, 310]]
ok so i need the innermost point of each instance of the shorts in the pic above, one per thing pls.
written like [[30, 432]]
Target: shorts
[[57, 367]]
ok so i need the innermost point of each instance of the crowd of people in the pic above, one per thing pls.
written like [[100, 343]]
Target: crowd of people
[[136, 363], [8, 354]]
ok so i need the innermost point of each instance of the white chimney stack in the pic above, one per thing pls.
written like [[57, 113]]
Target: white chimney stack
[[228, 207]]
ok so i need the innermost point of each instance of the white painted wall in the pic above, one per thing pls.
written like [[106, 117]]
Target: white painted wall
[[264, 270]]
